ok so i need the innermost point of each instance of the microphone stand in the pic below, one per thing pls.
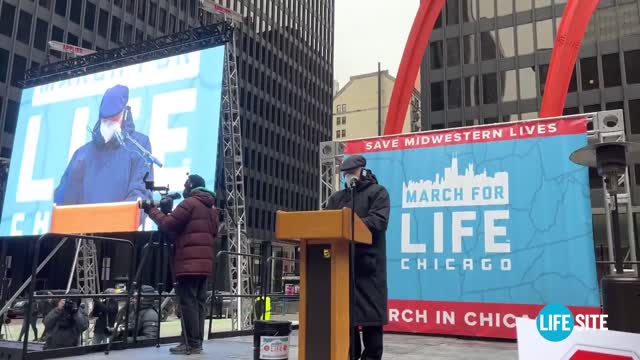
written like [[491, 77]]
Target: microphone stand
[[352, 250], [143, 152]]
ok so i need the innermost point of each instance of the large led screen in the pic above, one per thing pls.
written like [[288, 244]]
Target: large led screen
[[87, 140]]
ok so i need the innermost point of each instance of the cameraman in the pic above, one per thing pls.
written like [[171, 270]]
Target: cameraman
[[106, 311], [195, 221], [65, 324]]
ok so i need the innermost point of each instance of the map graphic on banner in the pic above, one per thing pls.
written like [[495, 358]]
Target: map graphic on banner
[[487, 224]]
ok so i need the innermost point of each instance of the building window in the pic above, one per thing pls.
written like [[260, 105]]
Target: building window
[[61, 7], [631, 61], [103, 23], [115, 29], [89, 16], [19, 65], [4, 64], [489, 88], [454, 90], [11, 117], [437, 96], [507, 42], [153, 8], [24, 27], [72, 39], [589, 72], [524, 35], [343, 132], [337, 134], [7, 15], [527, 83], [453, 51], [142, 13], [163, 20], [87, 44], [128, 33], [634, 115], [468, 47], [435, 55], [509, 84], [130, 6], [42, 29], [611, 70], [344, 120], [75, 11]]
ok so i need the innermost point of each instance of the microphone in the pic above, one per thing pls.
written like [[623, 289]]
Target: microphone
[[351, 181], [119, 136]]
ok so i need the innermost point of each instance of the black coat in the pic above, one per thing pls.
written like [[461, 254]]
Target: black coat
[[63, 329], [372, 206]]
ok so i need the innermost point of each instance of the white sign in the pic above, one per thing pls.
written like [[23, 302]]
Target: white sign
[[274, 347], [211, 6], [68, 48], [579, 345]]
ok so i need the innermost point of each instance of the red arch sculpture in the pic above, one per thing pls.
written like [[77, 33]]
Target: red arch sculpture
[[564, 54], [410, 64], [563, 57]]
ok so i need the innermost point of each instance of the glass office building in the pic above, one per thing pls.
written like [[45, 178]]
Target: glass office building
[[487, 62]]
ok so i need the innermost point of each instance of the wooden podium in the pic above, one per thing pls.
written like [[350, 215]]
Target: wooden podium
[[324, 238]]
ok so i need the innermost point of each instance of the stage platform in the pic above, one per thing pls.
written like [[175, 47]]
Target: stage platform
[[405, 347]]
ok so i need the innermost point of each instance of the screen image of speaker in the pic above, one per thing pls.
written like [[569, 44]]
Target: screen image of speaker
[[92, 139]]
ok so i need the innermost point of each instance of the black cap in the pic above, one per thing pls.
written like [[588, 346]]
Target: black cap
[[196, 181], [353, 162]]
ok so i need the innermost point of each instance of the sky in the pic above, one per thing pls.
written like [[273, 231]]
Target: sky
[[368, 32]]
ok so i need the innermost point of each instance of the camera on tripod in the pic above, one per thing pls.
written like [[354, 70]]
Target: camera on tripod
[[166, 202]]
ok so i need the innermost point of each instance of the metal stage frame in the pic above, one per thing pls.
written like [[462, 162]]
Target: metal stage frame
[[603, 125], [220, 33]]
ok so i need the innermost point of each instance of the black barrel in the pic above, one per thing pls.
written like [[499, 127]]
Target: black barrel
[[621, 301], [271, 340]]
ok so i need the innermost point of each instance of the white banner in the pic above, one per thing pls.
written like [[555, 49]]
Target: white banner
[[580, 345]]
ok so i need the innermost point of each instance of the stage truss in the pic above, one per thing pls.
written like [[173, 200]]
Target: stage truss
[[239, 266], [605, 125]]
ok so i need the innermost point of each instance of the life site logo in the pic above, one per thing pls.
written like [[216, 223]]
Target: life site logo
[[556, 322]]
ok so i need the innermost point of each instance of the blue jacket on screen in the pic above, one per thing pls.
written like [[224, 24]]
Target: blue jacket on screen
[[102, 172]]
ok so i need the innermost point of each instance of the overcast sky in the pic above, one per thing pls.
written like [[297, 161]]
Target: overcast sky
[[368, 31]]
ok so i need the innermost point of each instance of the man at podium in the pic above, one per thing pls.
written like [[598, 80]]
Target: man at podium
[[370, 298]]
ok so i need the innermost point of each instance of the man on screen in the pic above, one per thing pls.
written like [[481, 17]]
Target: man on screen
[[109, 168]]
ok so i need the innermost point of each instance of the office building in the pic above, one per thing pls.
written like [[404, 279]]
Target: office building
[[355, 107], [487, 62]]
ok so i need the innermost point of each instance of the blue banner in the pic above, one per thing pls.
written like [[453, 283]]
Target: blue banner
[[495, 215]]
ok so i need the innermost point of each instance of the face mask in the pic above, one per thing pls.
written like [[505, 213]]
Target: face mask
[[108, 129], [349, 178]]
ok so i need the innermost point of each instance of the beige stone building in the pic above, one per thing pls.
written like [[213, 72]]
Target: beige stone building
[[355, 107]]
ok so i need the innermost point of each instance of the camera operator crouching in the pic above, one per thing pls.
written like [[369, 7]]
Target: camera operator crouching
[[195, 221], [64, 324]]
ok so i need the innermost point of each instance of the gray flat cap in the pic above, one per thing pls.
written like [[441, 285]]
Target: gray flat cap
[[353, 162]]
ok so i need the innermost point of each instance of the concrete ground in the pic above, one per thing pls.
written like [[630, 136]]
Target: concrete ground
[[405, 347]]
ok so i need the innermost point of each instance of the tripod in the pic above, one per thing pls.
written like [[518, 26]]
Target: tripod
[[150, 248]]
